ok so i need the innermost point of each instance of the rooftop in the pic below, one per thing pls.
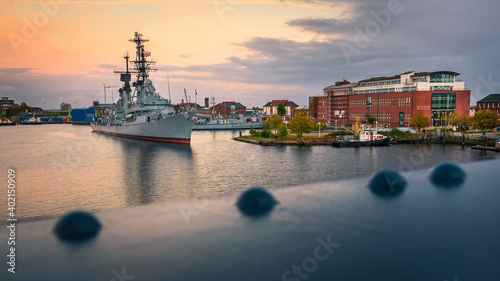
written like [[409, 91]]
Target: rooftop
[[491, 98], [335, 87], [418, 74], [236, 104]]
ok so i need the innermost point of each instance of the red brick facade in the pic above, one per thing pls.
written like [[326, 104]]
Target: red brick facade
[[491, 103], [396, 109], [224, 109], [322, 110]]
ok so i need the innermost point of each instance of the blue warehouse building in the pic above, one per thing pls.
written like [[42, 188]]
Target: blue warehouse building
[[83, 115]]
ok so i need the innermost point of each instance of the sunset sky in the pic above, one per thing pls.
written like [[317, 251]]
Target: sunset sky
[[247, 51]]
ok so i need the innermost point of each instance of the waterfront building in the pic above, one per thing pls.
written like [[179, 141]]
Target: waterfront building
[[65, 114], [224, 109], [5, 103], [83, 115], [271, 108], [317, 108], [337, 100], [490, 102], [391, 101]]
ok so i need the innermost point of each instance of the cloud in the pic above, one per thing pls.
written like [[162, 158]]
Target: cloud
[[111, 67], [321, 25], [15, 70], [424, 36], [6, 88]]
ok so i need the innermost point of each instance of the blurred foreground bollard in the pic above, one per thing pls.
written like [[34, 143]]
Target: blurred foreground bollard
[[77, 227]]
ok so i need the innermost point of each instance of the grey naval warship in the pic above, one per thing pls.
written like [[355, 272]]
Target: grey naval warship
[[141, 113]]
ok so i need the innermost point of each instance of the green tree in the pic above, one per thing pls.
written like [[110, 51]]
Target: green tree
[[13, 111], [282, 131], [274, 122], [24, 107], [65, 106], [301, 124], [419, 120], [369, 119], [281, 109], [484, 120]]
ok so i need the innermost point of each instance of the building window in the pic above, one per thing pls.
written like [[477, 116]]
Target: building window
[[443, 101], [442, 78]]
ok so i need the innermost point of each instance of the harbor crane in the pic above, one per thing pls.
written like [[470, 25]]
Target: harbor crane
[[107, 87], [357, 128]]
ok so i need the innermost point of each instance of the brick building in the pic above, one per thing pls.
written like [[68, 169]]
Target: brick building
[[224, 109], [490, 102], [393, 100], [337, 97]]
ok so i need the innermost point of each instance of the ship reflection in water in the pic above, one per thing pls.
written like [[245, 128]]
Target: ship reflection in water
[[63, 167], [154, 171]]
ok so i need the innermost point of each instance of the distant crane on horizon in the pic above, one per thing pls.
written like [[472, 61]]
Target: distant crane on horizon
[[108, 87]]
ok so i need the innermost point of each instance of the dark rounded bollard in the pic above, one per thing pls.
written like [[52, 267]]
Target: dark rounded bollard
[[256, 202], [447, 175], [387, 183], [77, 227]]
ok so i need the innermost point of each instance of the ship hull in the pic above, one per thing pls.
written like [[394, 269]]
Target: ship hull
[[175, 129], [382, 142]]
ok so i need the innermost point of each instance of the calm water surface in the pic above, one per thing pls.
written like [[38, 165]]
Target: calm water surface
[[60, 168]]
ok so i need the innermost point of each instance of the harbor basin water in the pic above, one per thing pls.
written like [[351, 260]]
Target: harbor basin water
[[60, 168]]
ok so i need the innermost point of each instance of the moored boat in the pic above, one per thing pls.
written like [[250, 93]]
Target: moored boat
[[142, 113], [363, 138], [359, 143]]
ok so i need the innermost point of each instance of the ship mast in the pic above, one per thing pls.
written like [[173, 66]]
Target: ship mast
[[142, 65]]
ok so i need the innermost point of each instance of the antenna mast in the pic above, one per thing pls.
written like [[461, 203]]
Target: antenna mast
[[168, 83]]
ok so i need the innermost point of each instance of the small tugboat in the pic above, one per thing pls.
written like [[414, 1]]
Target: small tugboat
[[142, 113], [363, 138]]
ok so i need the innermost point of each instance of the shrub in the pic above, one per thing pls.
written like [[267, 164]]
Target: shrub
[[395, 133], [254, 132], [266, 133], [339, 133], [282, 131]]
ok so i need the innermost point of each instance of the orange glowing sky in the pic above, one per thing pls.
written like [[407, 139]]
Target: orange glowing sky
[[249, 51]]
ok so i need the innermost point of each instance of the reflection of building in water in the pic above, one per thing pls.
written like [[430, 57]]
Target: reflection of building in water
[[151, 170]]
